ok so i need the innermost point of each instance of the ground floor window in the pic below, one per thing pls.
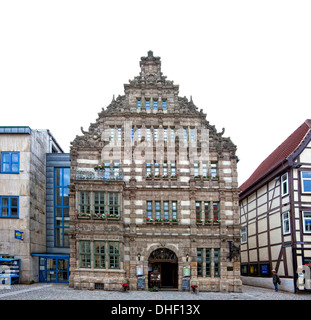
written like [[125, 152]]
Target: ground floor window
[[99, 254], [208, 262]]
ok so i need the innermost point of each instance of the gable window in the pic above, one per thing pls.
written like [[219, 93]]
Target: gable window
[[192, 135], [306, 181], [147, 104], [306, 221], [138, 104], [164, 104], [9, 162], [284, 184], [286, 223], [9, 207]]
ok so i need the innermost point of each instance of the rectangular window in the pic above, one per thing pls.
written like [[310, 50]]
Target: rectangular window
[[158, 210], [174, 210], [165, 134], [85, 254], [196, 169], [84, 202], [243, 234], [206, 211], [172, 134], [216, 263], [214, 169], [61, 206], [185, 134], [9, 162], [307, 221], [165, 169], [114, 255], [132, 134], [155, 104], [148, 134], [199, 262], [198, 211], [99, 202], [164, 104], [138, 103], [192, 134], [113, 204], [155, 134], [119, 134], [99, 254], [148, 170], [216, 211], [139, 134], [284, 184], [156, 169], [166, 211], [147, 104], [149, 211], [204, 170], [111, 134], [9, 207], [286, 223], [208, 261], [306, 181], [173, 170]]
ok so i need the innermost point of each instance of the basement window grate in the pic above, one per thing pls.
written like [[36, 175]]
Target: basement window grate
[[99, 286]]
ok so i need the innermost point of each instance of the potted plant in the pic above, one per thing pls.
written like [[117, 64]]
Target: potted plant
[[149, 176], [194, 288], [125, 287]]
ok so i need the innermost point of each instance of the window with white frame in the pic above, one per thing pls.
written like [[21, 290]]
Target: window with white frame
[[306, 215], [306, 181], [286, 222], [284, 184], [243, 234]]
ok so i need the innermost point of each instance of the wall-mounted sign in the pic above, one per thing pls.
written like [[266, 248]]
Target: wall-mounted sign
[[139, 270], [18, 234], [187, 271]]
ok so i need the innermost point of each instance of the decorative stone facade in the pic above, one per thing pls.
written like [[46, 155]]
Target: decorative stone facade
[[153, 192]]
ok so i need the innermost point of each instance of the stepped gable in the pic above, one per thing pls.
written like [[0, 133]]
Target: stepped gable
[[151, 77]]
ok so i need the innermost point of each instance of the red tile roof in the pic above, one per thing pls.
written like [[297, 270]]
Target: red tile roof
[[280, 154]]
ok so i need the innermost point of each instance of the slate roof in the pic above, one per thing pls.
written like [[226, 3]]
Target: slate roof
[[279, 155]]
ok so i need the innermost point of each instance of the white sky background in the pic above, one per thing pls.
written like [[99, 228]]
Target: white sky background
[[247, 64]]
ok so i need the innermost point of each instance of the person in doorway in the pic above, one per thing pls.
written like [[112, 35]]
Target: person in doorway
[[276, 280]]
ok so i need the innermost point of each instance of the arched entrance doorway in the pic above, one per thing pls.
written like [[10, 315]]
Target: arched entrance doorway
[[163, 269]]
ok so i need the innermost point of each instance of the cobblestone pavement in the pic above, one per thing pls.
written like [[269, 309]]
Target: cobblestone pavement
[[44, 291]]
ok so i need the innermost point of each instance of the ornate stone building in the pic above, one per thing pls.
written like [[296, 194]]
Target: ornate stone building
[[153, 194]]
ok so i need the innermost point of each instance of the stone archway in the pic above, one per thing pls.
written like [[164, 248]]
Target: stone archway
[[163, 269]]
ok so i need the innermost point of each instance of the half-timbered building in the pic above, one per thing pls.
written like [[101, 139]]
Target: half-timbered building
[[275, 213], [153, 194]]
